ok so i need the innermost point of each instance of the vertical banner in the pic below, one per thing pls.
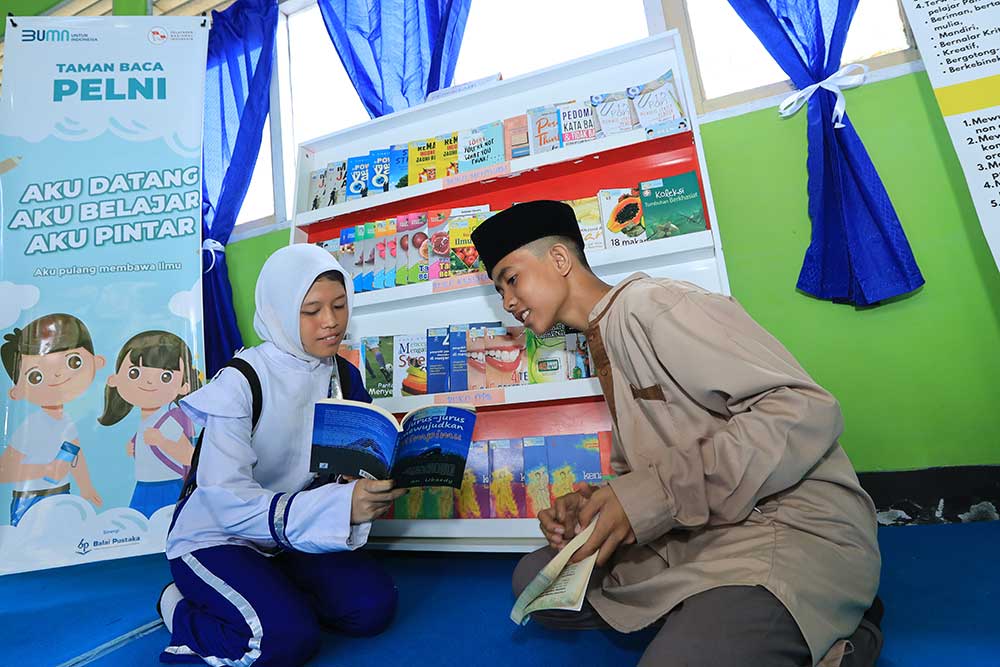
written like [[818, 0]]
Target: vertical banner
[[959, 41], [100, 282]]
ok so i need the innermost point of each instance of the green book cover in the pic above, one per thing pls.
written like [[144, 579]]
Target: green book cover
[[378, 357], [672, 206]]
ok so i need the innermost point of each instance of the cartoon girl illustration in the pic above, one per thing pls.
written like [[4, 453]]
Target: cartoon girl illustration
[[153, 371], [51, 362]]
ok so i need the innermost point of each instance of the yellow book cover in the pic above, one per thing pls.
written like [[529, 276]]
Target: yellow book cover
[[447, 160], [423, 160]]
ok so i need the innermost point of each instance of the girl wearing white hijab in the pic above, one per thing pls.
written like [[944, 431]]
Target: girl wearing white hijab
[[262, 557]]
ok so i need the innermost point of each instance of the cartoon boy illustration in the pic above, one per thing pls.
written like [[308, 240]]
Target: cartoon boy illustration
[[51, 362], [154, 370]]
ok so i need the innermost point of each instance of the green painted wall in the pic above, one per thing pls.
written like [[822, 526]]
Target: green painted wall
[[245, 259], [915, 376], [25, 8]]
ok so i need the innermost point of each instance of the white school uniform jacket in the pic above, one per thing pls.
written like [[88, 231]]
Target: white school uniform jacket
[[251, 488]]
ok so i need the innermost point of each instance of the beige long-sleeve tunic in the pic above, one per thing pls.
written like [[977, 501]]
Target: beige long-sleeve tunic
[[728, 466]]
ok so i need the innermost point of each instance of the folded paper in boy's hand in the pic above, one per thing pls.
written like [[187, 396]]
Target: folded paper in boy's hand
[[559, 585]]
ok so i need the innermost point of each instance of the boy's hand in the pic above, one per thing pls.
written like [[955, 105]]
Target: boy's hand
[[613, 527], [559, 522], [371, 499]]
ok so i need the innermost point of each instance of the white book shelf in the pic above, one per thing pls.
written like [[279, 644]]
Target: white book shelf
[[412, 309]]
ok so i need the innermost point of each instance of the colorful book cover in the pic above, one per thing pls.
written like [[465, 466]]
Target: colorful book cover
[[399, 166], [577, 122], [507, 479], [588, 217], [381, 233], [543, 123], [438, 245], [357, 176], [516, 137], [506, 361], [621, 215], [430, 502], [348, 256], [422, 160], [605, 442], [370, 253], [672, 206], [350, 350], [336, 182], [464, 256], [458, 335], [360, 250], [578, 356], [615, 113], [390, 253], [538, 494], [657, 102], [472, 501], [409, 373], [316, 187], [378, 172], [412, 232], [438, 360], [402, 256], [546, 355], [332, 246], [475, 347], [377, 355], [447, 155], [480, 147], [574, 462], [421, 243]]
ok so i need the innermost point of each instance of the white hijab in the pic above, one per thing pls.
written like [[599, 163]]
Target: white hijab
[[282, 284]]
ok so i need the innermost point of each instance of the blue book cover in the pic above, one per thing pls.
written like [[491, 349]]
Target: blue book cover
[[480, 147], [428, 448], [472, 501], [458, 379], [507, 479], [399, 166], [574, 462], [378, 172], [357, 176], [438, 360], [538, 495]]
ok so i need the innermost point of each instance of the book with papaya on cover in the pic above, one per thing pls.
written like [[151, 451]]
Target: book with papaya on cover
[[428, 447]]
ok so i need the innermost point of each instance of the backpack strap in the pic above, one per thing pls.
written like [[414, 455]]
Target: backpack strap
[[257, 404], [344, 372], [187, 426]]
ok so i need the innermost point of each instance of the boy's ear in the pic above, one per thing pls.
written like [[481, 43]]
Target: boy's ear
[[99, 362], [561, 258], [14, 393]]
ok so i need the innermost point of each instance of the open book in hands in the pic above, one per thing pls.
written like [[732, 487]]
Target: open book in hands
[[560, 584], [428, 448]]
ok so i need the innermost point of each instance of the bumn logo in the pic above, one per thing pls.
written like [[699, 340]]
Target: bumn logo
[[33, 35]]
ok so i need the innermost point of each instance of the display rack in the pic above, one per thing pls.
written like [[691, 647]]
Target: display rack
[[571, 172]]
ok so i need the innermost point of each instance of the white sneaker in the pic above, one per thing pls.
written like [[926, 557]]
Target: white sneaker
[[167, 604]]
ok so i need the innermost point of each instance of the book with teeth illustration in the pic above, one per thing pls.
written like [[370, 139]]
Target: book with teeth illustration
[[506, 364], [428, 447]]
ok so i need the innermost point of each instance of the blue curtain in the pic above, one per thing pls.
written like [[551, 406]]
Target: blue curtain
[[237, 98], [396, 51], [858, 253]]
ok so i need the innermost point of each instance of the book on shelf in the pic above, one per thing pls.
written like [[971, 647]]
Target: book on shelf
[[506, 363], [472, 500], [336, 182], [377, 353], [378, 171], [578, 356], [447, 155], [480, 147], [438, 246], [507, 479], [428, 447], [357, 176], [350, 350], [409, 373], [463, 253], [438, 360], [656, 102], [577, 123], [399, 166], [317, 188], [560, 584], [422, 160], [370, 253], [546, 355], [621, 216], [476, 357], [538, 491], [391, 251], [543, 123], [516, 137], [615, 113], [574, 462], [381, 233], [672, 206], [588, 217]]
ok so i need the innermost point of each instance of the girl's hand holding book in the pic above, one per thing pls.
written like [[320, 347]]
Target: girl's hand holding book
[[372, 498]]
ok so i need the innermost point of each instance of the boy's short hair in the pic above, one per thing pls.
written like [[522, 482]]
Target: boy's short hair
[[540, 247], [57, 332]]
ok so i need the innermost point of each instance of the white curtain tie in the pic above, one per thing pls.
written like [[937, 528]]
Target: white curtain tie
[[212, 246], [849, 76]]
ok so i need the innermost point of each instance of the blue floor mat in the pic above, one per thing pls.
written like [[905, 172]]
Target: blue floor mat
[[939, 584]]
